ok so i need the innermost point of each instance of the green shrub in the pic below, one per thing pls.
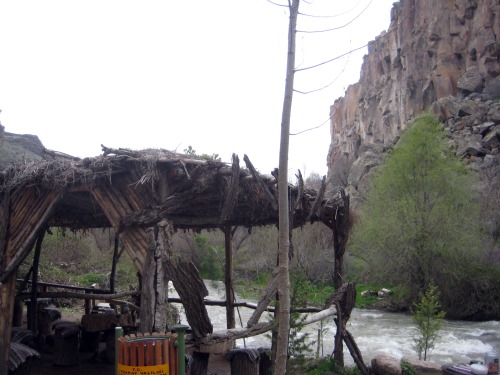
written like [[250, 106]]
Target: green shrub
[[328, 365], [407, 368], [429, 318]]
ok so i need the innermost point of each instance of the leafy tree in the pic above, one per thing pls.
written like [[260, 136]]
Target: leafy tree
[[210, 261], [420, 221], [429, 319]]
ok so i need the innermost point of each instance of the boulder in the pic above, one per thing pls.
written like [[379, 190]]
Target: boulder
[[492, 88], [386, 365], [471, 80], [424, 367]]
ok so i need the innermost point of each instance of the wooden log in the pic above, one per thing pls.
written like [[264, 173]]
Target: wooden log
[[256, 329], [228, 278], [265, 300], [261, 183], [355, 353], [191, 289], [244, 361], [265, 362], [200, 363], [86, 296], [66, 339], [319, 199]]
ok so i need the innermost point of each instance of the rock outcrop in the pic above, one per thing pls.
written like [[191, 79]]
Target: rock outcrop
[[443, 55], [18, 148]]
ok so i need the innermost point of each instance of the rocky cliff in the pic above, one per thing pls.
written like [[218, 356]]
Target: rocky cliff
[[442, 56], [18, 148]]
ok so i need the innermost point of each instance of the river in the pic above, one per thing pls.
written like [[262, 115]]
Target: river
[[378, 332]]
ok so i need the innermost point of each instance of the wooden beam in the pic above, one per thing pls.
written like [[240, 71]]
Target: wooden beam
[[7, 289], [257, 329], [38, 221], [268, 295], [261, 183]]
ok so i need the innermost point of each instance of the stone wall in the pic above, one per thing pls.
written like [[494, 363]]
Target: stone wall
[[432, 50]]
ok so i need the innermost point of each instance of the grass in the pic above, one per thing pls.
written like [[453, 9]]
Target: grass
[[316, 294], [329, 366]]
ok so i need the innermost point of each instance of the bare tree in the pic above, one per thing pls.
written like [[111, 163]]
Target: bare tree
[[284, 227]]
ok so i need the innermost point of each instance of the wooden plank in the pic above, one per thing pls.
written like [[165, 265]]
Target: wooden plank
[[149, 353], [165, 351], [122, 352], [126, 353], [140, 353], [158, 360], [133, 353], [172, 356]]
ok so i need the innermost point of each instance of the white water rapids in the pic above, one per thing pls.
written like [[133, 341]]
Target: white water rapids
[[377, 332]]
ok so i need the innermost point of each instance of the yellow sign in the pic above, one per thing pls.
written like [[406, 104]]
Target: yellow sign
[[143, 370]]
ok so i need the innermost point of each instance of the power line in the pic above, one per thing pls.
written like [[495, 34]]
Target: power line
[[329, 84], [339, 27], [335, 58], [358, 48], [332, 16]]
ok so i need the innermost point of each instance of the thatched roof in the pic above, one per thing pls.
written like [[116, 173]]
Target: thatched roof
[[125, 188], [132, 191]]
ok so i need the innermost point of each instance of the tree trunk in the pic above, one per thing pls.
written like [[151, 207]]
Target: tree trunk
[[284, 211], [154, 293]]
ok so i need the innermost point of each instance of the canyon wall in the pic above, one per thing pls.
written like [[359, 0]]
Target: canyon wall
[[442, 56]]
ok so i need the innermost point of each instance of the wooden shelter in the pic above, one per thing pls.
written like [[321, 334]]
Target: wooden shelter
[[145, 196]]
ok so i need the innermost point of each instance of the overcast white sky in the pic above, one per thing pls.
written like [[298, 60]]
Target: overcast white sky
[[172, 74]]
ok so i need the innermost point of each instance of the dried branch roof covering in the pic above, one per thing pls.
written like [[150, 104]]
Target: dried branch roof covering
[[143, 187]]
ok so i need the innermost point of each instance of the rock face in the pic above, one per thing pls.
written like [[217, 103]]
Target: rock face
[[442, 54], [18, 148]]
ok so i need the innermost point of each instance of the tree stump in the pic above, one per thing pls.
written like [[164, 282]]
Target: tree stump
[[244, 361], [200, 363], [66, 339], [89, 342], [265, 362]]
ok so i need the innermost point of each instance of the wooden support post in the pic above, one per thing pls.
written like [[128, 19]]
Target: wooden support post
[[33, 318], [230, 316], [7, 289], [116, 257], [154, 290]]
